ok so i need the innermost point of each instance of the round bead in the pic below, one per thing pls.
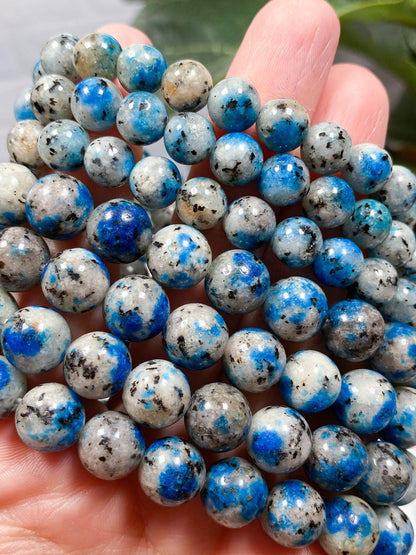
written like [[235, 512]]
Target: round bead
[[49, 417], [249, 223], [236, 159], [295, 514], [119, 230], [279, 440], [253, 359], [401, 430], [96, 54], [37, 71], [23, 254], [233, 104], [96, 365], [13, 386], [189, 138], [154, 182], [141, 118], [62, 144], [351, 526], [58, 206], [51, 98], [353, 330], [282, 124], [409, 217], [110, 445], [369, 224], [156, 393], [396, 532], [108, 161], [310, 382], [408, 270], [283, 180], [218, 417], [237, 282], [22, 144], [398, 192], [377, 282], [186, 85], [201, 202], [172, 471], [95, 102], [22, 107], [8, 306], [296, 241], [338, 459], [235, 492], [339, 263], [75, 280], [56, 55], [396, 358], [15, 182], [367, 169], [178, 256], [135, 308], [34, 339], [140, 67], [295, 308], [195, 336], [326, 148], [410, 493], [398, 246], [367, 401], [402, 306], [329, 202]]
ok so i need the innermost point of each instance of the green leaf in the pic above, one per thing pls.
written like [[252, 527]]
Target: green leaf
[[402, 125], [393, 11]]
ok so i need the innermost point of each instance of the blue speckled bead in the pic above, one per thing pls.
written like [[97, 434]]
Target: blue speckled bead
[[398, 246], [154, 182], [388, 474], [296, 241], [51, 98], [283, 180], [75, 280], [218, 417], [410, 493], [236, 159], [56, 55], [96, 365], [15, 182], [253, 360], [189, 138], [282, 124], [233, 104], [402, 306], [108, 161], [339, 263], [279, 440], [178, 256], [369, 224], [8, 306], [409, 217], [142, 118], [408, 270], [401, 430], [295, 308], [135, 308], [22, 107], [201, 202], [396, 532], [326, 148], [235, 492], [34, 339], [367, 401], [353, 330], [249, 223], [110, 445], [338, 459], [367, 169], [119, 230], [22, 144], [329, 202], [195, 336], [351, 526], [37, 71], [140, 67], [172, 471], [95, 102], [49, 417], [156, 393], [295, 514], [58, 206], [398, 192], [237, 282], [310, 382], [13, 386], [377, 282], [186, 85], [96, 54], [62, 144]]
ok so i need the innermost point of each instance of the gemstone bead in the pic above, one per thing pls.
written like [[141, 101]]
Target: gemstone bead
[[37, 71], [95, 102], [408, 270], [398, 246], [140, 67], [189, 138], [8, 306], [377, 282], [398, 192], [15, 182], [402, 306], [141, 118], [326, 148], [13, 386], [22, 144], [96, 54], [396, 358], [172, 471], [56, 55], [110, 445], [235, 492], [108, 161], [329, 202], [201, 202], [296, 241], [49, 417], [283, 180], [369, 224], [339, 263], [186, 85], [396, 531], [62, 144], [409, 217], [51, 98], [367, 169], [410, 493], [22, 108], [401, 430]]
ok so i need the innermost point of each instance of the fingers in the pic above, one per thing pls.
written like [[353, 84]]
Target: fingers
[[125, 34]]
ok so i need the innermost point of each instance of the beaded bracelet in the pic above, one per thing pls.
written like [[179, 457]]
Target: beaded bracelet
[[373, 256]]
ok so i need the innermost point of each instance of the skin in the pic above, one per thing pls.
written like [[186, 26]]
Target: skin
[[49, 503]]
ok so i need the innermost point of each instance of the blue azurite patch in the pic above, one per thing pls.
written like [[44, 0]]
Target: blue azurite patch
[[396, 532], [339, 263], [95, 102], [140, 67], [37, 71], [22, 105], [283, 180], [369, 224], [401, 430], [189, 138], [62, 145], [142, 118], [296, 241], [368, 167]]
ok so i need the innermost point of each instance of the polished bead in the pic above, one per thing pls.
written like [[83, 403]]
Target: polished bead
[[22, 108], [326, 148], [140, 67], [398, 246], [22, 144], [108, 161], [401, 430], [396, 532], [377, 282], [201, 202], [96, 54], [141, 118], [62, 144], [283, 180], [51, 98], [339, 263], [185, 85], [398, 192], [296, 241], [56, 55], [13, 386], [95, 102], [367, 169], [15, 182], [189, 138]]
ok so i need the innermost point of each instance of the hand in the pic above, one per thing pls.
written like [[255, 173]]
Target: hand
[[48, 502]]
